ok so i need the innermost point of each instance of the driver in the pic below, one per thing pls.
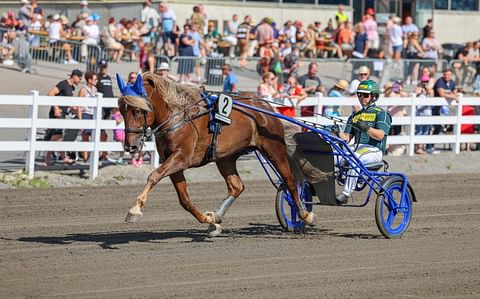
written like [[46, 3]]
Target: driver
[[369, 127]]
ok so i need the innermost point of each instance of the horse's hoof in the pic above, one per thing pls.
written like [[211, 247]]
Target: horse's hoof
[[132, 218], [214, 217], [214, 230], [311, 219]]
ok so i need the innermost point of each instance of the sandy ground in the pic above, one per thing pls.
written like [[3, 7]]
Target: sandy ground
[[72, 242]]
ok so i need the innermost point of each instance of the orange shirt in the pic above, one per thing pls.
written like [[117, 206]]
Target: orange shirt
[[344, 36]]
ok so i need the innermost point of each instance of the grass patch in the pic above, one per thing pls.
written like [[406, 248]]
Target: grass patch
[[20, 180]]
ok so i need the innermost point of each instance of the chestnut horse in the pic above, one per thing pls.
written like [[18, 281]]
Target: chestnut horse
[[178, 117]]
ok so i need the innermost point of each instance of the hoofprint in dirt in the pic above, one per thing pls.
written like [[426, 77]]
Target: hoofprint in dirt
[[72, 242]]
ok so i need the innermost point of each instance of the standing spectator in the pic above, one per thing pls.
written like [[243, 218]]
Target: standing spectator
[[428, 27], [370, 26], [465, 70], [264, 32], [37, 9], [340, 16], [230, 82], [205, 18], [394, 91], [423, 91], [243, 38], [198, 19], [84, 7], [230, 32], [86, 112], [363, 74], [360, 44], [105, 86], [64, 88], [164, 71], [198, 46], [444, 87], [119, 134], [337, 91], [91, 33], [396, 38], [169, 25], [310, 82], [149, 16], [25, 14], [36, 25], [185, 50], [413, 51], [430, 47]]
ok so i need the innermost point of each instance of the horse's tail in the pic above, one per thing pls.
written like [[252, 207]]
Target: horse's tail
[[301, 168]]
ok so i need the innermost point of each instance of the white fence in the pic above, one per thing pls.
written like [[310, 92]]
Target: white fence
[[33, 122]]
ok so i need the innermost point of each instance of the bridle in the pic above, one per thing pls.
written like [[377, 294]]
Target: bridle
[[160, 129]]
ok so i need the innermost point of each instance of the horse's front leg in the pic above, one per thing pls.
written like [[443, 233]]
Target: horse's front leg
[[173, 164], [178, 180]]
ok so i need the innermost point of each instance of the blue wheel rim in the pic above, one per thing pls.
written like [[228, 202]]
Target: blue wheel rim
[[392, 209], [289, 211]]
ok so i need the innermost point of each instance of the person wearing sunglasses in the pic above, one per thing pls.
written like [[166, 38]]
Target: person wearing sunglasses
[[369, 127], [363, 74]]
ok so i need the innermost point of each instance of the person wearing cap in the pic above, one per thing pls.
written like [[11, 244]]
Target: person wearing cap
[[230, 82], [64, 88], [105, 86], [164, 71], [369, 127], [91, 33], [337, 91]]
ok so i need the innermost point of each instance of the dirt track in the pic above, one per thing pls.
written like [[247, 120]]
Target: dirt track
[[73, 243]]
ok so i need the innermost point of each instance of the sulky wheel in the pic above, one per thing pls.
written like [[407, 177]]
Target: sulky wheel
[[285, 207], [393, 215]]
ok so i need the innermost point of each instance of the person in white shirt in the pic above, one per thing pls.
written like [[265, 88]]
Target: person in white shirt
[[396, 38], [91, 33], [150, 16]]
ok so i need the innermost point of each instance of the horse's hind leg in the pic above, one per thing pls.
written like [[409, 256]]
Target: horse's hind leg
[[228, 169], [277, 154]]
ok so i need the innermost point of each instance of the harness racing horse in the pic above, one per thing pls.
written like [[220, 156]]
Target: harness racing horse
[[178, 116]]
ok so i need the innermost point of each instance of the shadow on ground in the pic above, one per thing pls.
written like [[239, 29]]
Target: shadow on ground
[[111, 240]]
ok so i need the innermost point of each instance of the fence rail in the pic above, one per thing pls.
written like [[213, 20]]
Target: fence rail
[[33, 122]]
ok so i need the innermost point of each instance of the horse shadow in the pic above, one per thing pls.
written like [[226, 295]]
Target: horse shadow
[[112, 240]]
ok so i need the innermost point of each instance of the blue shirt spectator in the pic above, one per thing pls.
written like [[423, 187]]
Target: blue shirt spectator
[[230, 81], [197, 38]]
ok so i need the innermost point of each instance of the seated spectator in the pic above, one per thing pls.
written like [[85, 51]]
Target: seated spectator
[[112, 37], [344, 40], [337, 91], [465, 70], [87, 91]]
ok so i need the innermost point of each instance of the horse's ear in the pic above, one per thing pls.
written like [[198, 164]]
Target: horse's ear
[[138, 86], [121, 84]]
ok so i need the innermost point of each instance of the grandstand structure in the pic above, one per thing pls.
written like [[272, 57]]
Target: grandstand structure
[[448, 15]]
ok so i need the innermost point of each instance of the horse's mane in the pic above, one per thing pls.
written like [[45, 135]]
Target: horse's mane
[[136, 102], [174, 94]]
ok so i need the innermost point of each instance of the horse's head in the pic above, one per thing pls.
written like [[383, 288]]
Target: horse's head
[[137, 113]]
